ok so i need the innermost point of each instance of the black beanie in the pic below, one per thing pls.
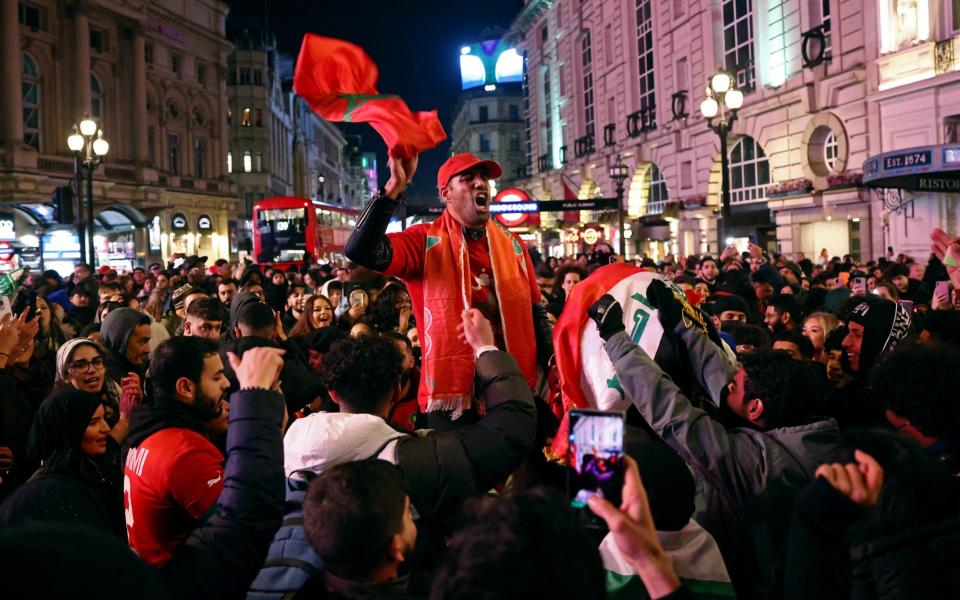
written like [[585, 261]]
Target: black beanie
[[885, 322], [722, 301]]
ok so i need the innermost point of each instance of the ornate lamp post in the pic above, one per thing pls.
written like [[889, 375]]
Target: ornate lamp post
[[88, 147], [618, 173], [720, 110]]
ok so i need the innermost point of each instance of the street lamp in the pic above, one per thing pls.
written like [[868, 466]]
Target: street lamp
[[618, 173], [88, 147], [722, 103]]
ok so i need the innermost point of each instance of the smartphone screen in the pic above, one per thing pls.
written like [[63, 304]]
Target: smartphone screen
[[907, 304], [358, 298], [860, 281], [943, 289], [595, 459], [753, 239]]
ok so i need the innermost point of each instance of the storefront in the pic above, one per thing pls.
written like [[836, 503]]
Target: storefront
[[187, 233], [118, 238], [918, 188]]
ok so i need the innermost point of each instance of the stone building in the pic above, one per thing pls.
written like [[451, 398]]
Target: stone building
[[151, 73]]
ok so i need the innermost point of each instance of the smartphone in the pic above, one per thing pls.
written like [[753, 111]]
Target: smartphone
[[942, 288], [753, 239], [359, 297], [907, 304], [24, 300], [860, 281], [595, 460]]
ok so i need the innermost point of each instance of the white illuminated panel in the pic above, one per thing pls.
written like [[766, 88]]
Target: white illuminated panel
[[509, 67], [472, 71]]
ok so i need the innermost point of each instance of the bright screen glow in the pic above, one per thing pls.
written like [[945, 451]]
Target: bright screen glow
[[488, 63]]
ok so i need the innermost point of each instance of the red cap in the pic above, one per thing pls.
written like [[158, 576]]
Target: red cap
[[103, 270], [459, 163]]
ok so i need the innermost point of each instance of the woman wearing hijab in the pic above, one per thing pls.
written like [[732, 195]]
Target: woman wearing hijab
[[81, 476], [80, 366]]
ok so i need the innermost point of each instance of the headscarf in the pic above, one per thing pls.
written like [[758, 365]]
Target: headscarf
[[61, 421], [66, 351]]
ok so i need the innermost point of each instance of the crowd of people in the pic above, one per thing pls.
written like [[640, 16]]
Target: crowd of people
[[309, 432]]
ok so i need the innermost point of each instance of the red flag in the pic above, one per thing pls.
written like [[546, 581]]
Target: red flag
[[338, 80]]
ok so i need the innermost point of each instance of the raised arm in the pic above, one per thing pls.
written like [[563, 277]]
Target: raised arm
[[368, 245]]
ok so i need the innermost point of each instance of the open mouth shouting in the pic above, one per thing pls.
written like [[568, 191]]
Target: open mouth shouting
[[482, 200]]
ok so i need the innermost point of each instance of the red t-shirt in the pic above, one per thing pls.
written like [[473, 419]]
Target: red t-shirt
[[170, 481], [409, 247]]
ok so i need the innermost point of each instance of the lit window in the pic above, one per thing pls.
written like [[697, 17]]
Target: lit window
[[749, 172], [247, 162], [245, 119], [658, 191], [229, 162]]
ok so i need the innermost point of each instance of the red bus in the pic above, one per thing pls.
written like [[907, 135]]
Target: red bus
[[285, 229]]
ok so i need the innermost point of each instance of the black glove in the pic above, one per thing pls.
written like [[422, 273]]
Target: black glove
[[608, 315], [662, 298]]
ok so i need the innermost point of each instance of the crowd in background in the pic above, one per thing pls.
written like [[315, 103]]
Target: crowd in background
[[814, 455]]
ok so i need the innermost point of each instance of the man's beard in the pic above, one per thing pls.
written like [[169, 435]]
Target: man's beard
[[208, 408]]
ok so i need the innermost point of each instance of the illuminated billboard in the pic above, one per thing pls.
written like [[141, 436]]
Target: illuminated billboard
[[488, 63]]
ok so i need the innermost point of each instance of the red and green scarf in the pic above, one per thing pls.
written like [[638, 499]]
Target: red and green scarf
[[449, 362]]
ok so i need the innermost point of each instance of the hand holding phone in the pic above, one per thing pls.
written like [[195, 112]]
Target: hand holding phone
[[595, 459], [942, 296]]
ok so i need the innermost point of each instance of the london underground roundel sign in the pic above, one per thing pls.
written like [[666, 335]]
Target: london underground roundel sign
[[512, 195]]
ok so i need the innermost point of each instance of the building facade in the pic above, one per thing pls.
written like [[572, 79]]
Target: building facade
[[828, 84], [151, 75], [490, 125]]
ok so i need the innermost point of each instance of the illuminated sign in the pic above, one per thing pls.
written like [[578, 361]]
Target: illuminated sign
[[205, 223], [591, 236], [488, 63], [8, 227], [512, 207], [907, 159], [925, 169], [179, 222], [154, 234]]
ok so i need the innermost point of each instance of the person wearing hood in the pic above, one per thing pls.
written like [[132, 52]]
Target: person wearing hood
[[173, 472], [80, 474], [125, 334], [875, 326], [275, 290]]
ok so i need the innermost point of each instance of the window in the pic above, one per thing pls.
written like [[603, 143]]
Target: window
[[658, 194], [484, 115], [30, 15], [229, 162], [586, 60], [544, 34], [199, 158], [247, 162], [954, 13], [245, 76], [648, 100], [686, 174], [514, 111], [245, 119], [229, 116], [749, 172], [148, 53], [30, 90], [259, 115], [514, 142], [175, 62], [825, 20], [548, 117], [96, 98], [951, 130], [738, 41], [608, 44], [98, 39], [830, 151], [258, 163], [173, 153], [484, 142], [257, 77]]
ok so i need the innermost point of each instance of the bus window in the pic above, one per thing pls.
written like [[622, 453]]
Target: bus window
[[282, 234]]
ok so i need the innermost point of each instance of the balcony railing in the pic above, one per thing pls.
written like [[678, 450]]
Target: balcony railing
[[584, 146], [544, 163]]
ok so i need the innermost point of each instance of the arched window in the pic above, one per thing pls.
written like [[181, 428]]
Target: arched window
[[30, 88], [749, 172], [658, 197], [96, 98]]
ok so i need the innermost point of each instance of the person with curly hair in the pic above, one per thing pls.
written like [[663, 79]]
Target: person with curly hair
[[392, 310]]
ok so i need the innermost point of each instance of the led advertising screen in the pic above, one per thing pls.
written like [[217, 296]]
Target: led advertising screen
[[488, 63]]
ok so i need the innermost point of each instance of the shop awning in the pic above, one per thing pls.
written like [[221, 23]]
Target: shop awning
[[921, 169]]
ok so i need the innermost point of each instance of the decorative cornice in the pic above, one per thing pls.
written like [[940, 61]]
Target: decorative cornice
[[530, 14]]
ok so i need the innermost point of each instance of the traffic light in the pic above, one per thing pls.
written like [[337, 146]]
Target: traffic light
[[62, 199]]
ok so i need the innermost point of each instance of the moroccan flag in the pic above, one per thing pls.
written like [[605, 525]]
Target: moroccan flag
[[587, 376], [338, 80]]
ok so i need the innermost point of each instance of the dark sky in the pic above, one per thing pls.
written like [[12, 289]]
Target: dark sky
[[415, 43]]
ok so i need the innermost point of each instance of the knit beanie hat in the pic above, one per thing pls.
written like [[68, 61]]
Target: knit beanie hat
[[722, 301], [885, 322]]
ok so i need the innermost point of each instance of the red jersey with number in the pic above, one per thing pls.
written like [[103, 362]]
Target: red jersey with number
[[409, 247], [170, 481]]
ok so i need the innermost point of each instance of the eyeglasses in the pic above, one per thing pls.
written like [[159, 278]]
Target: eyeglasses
[[84, 365]]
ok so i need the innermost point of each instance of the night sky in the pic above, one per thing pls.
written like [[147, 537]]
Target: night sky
[[415, 43]]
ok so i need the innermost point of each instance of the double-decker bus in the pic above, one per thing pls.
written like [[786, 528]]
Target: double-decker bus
[[288, 228]]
